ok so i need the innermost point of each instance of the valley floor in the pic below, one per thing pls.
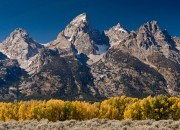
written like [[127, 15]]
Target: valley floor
[[94, 124]]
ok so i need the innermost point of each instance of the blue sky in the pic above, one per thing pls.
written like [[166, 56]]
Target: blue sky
[[44, 19]]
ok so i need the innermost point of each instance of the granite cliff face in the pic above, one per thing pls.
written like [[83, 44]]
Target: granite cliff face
[[83, 37], [20, 46], [85, 64], [10, 76], [156, 48], [116, 34]]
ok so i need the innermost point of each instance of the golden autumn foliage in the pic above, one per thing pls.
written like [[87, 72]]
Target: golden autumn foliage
[[119, 108]]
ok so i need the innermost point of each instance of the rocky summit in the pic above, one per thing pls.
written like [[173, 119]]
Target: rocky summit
[[83, 63], [20, 46]]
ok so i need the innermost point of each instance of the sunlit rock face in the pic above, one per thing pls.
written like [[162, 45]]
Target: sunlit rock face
[[83, 63], [19, 45]]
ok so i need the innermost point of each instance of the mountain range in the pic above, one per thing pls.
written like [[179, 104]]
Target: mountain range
[[83, 63]]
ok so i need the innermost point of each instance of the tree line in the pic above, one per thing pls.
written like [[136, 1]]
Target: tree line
[[159, 108]]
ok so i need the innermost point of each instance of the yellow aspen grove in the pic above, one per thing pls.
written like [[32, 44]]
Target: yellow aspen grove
[[93, 110], [117, 105], [9, 112], [28, 113], [22, 111], [155, 107], [15, 111], [174, 108], [68, 107], [55, 110], [2, 111], [107, 111], [119, 108], [79, 110], [133, 111]]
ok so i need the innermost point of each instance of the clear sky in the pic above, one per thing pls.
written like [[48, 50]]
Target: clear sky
[[44, 19]]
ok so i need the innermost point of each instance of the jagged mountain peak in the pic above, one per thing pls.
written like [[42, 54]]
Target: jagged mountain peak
[[79, 23], [20, 36], [153, 22], [151, 34], [82, 18], [150, 26], [20, 30], [116, 34], [85, 63], [20, 46], [81, 35], [120, 28], [20, 33]]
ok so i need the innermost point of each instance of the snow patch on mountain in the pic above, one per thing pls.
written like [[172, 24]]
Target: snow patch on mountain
[[101, 49]]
